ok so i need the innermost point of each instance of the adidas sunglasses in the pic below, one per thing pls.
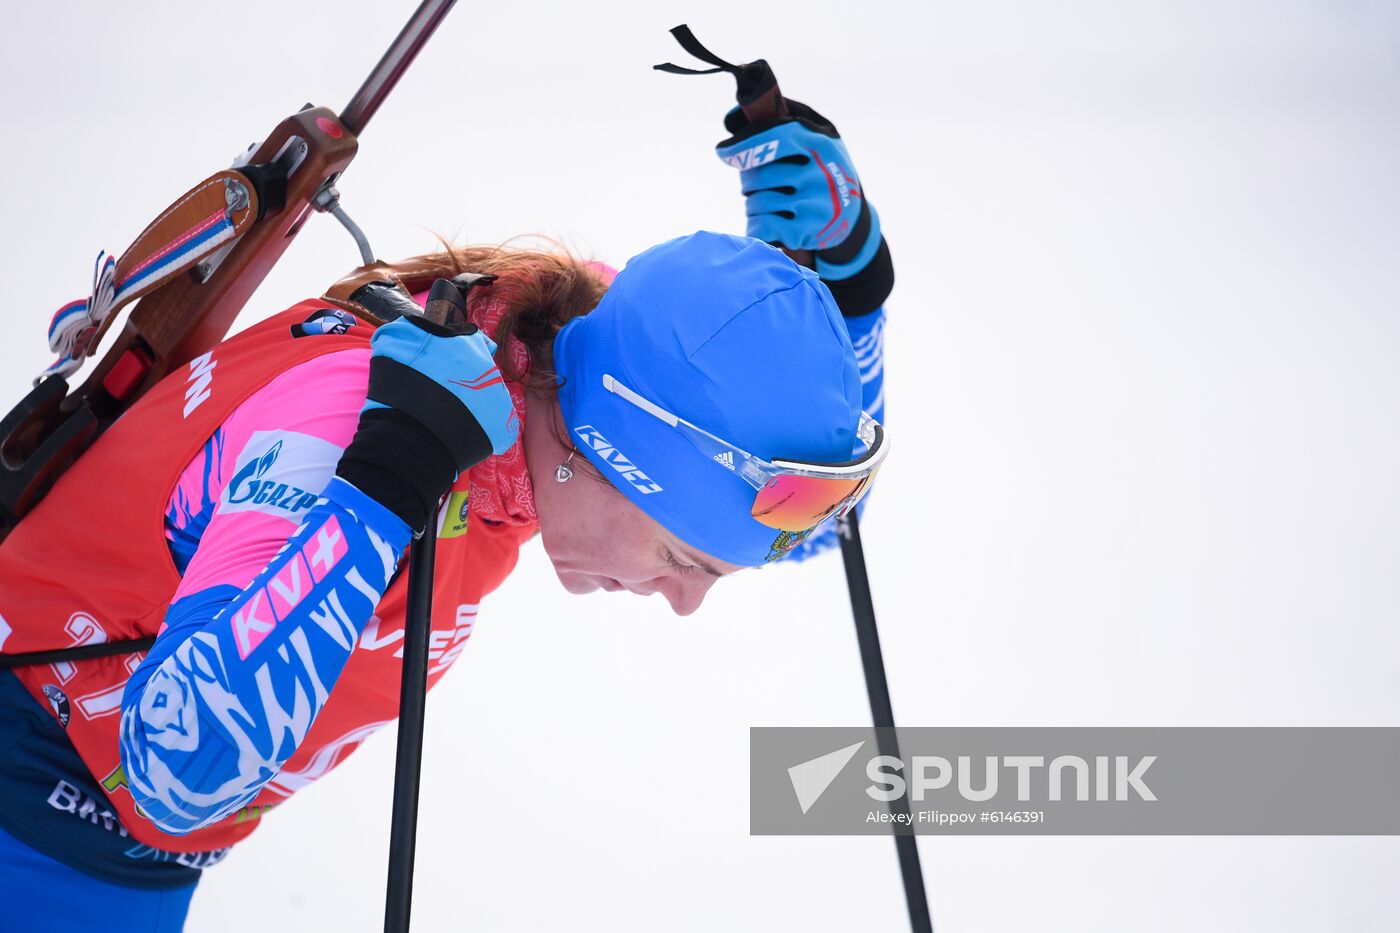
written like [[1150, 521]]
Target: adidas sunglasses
[[793, 495]]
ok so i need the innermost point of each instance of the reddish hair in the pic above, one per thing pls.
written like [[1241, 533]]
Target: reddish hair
[[543, 289]]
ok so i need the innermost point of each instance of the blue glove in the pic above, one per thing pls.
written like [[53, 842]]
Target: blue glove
[[437, 405], [416, 361], [802, 193]]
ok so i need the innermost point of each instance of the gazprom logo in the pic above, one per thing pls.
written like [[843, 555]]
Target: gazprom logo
[[246, 484], [260, 466], [616, 459], [276, 473]]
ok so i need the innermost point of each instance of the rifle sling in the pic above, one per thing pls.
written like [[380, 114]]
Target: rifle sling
[[103, 649]]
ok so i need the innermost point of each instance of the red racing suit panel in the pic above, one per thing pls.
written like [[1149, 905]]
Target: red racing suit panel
[[92, 563]]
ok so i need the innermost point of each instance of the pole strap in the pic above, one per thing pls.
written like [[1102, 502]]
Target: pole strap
[[687, 41]]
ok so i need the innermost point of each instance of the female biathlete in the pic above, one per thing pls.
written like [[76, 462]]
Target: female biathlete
[[702, 411]]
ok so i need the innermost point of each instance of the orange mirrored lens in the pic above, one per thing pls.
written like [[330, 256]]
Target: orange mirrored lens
[[797, 503]]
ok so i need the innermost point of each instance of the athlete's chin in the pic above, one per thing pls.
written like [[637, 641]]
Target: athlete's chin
[[581, 583], [577, 584]]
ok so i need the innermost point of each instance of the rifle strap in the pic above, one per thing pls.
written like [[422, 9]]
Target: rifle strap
[[204, 220], [102, 649]]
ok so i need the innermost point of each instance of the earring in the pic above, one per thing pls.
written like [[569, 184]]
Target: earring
[[562, 473]]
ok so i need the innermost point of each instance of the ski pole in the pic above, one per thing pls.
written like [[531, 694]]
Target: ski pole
[[762, 101], [408, 763], [878, 689], [446, 306]]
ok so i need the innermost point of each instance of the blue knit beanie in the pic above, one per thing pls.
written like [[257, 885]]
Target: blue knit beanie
[[734, 337]]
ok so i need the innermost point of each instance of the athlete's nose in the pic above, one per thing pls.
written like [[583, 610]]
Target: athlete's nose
[[685, 591]]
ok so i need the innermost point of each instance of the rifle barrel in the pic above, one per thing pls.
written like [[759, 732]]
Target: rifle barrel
[[386, 74]]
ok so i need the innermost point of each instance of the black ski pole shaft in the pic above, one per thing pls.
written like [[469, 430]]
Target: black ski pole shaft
[[408, 765], [406, 46], [878, 688], [446, 306]]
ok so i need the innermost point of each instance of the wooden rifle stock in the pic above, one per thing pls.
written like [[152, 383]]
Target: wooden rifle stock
[[290, 174], [172, 335], [179, 320]]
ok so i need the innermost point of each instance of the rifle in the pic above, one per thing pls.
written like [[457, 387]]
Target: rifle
[[190, 272]]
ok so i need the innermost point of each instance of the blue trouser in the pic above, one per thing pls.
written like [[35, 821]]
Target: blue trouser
[[41, 895]]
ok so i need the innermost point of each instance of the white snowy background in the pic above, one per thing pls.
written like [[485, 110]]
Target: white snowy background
[[1143, 390]]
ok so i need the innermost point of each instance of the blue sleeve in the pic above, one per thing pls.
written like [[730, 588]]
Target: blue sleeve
[[237, 677], [868, 338]]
